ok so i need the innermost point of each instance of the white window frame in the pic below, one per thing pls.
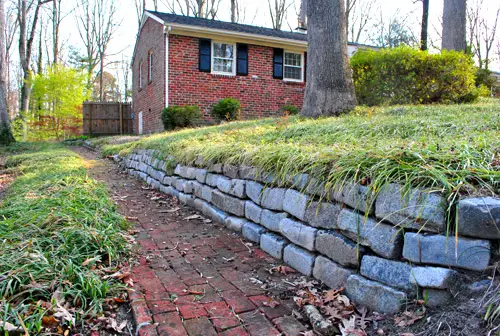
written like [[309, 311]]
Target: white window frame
[[150, 64], [140, 75], [294, 66], [233, 73]]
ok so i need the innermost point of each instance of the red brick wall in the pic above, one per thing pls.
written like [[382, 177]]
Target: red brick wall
[[151, 98], [259, 97]]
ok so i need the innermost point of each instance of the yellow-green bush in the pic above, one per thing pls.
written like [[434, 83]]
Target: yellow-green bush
[[407, 76]]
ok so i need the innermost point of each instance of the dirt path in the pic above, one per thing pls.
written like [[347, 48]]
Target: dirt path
[[196, 277]]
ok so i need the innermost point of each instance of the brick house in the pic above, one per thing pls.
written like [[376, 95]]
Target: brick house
[[181, 60]]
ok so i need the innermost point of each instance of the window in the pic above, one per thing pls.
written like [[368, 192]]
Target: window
[[223, 58], [150, 69], [293, 67], [140, 75]]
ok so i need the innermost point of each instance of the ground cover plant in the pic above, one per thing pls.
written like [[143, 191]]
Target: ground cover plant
[[62, 242], [449, 148]]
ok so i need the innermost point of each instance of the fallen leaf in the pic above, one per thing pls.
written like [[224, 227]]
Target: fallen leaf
[[49, 320], [89, 260], [332, 294], [64, 314], [193, 217], [282, 270], [271, 303], [6, 326]]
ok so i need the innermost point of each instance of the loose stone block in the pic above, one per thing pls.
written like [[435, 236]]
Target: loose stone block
[[252, 231], [228, 203], [201, 175], [300, 259], [273, 244], [253, 211], [254, 191], [393, 273], [323, 215], [339, 248], [385, 240], [235, 223], [377, 297], [472, 254], [271, 220], [298, 233], [272, 198], [435, 297], [416, 209], [206, 193], [434, 277], [330, 273], [230, 171], [232, 186], [295, 203], [479, 217], [214, 213]]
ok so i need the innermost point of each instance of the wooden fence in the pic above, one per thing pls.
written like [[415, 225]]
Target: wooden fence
[[107, 118]]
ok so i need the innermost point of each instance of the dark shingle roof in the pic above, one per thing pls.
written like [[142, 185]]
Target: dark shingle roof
[[236, 27]]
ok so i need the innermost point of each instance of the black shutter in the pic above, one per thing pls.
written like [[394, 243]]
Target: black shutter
[[205, 55], [242, 59], [305, 66], [278, 63]]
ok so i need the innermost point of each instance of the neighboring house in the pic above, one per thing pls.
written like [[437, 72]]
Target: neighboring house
[[181, 60]]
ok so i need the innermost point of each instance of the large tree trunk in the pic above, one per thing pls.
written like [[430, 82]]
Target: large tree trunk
[[329, 89], [5, 131], [454, 24], [425, 24]]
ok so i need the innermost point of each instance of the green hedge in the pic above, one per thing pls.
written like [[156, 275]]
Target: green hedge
[[227, 109], [408, 76], [180, 116]]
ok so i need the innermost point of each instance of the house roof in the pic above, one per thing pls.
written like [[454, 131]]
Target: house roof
[[222, 25]]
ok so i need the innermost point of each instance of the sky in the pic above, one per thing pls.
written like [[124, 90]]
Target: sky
[[257, 13]]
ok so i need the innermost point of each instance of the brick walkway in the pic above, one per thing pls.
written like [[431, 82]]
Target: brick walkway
[[196, 277]]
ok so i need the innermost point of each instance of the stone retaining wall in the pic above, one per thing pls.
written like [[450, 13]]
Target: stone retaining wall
[[384, 251]]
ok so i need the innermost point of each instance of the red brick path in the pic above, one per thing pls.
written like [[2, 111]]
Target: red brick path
[[194, 277]]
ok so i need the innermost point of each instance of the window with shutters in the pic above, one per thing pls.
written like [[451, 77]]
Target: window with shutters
[[150, 67], [293, 67], [223, 58]]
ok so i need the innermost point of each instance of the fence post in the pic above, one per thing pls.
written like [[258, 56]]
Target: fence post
[[90, 119], [121, 119]]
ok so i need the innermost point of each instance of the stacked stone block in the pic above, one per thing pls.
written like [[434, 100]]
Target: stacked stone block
[[384, 250]]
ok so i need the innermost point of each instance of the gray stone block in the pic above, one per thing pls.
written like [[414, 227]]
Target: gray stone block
[[206, 193], [393, 273], [295, 203], [272, 198], [323, 215], [186, 199], [385, 240], [248, 173], [254, 191], [196, 188], [199, 205], [434, 298], [330, 273], [298, 233], [271, 220], [273, 244], [414, 209], [155, 184], [434, 277], [376, 296], [355, 196], [215, 168], [201, 175], [190, 186], [212, 179], [142, 167], [233, 187], [179, 184], [235, 223], [339, 248], [167, 180], [228, 203], [479, 217], [166, 190], [300, 259], [299, 181], [316, 187], [231, 171], [253, 211], [252, 231], [143, 176], [214, 213], [472, 254]]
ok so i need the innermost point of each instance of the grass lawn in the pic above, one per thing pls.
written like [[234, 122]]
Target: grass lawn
[[60, 234], [449, 148]]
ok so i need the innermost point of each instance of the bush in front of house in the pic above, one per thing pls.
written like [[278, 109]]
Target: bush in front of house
[[408, 76], [180, 116], [227, 109], [290, 109]]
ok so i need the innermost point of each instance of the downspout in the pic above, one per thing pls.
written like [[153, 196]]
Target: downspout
[[167, 31]]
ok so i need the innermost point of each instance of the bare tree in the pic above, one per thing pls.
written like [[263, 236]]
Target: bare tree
[[234, 10], [10, 31], [329, 89], [5, 130], [349, 7], [278, 10], [359, 17], [454, 25], [56, 24], [481, 34], [393, 31]]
